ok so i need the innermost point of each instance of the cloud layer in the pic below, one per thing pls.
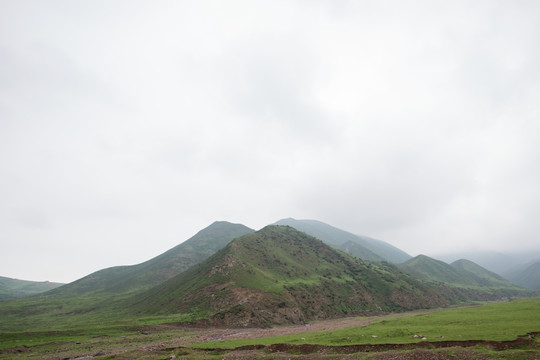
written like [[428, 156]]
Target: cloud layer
[[126, 127]]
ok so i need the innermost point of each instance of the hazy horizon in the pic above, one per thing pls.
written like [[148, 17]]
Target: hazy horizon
[[126, 127]]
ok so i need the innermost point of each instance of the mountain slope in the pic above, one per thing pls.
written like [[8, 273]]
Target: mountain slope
[[480, 275], [502, 263], [529, 277], [281, 275], [12, 288], [467, 280], [365, 248], [122, 279], [428, 269]]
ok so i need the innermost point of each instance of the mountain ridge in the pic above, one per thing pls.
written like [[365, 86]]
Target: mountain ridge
[[14, 288], [364, 247], [121, 279], [280, 275], [467, 279], [529, 277]]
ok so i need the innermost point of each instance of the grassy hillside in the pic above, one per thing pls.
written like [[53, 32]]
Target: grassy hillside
[[480, 275], [281, 275], [100, 297], [360, 246], [466, 279], [529, 277], [13, 288], [429, 269], [122, 279]]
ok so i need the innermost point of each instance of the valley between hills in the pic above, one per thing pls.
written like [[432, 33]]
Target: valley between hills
[[292, 278]]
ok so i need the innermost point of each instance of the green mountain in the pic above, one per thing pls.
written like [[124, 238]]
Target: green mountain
[[529, 277], [123, 279], [13, 288], [502, 263], [280, 275], [360, 246], [467, 280], [480, 275], [428, 269]]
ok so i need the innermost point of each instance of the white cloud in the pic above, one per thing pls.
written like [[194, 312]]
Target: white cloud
[[127, 127]]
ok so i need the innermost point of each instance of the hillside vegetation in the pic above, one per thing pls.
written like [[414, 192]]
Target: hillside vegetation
[[467, 280], [13, 288], [100, 297], [123, 279], [279, 275], [528, 277], [363, 247]]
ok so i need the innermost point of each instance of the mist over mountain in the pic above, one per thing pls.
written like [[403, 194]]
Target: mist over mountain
[[13, 288], [528, 277], [466, 279], [361, 246], [501, 263]]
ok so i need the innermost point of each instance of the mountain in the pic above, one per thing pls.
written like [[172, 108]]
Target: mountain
[[360, 246], [13, 288], [529, 277], [467, 280], [428, 269], [280, 275], [122, 279], [480, 275], [502, 263]]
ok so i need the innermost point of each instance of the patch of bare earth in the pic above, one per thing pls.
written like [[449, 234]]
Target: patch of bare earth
[[214, 334]]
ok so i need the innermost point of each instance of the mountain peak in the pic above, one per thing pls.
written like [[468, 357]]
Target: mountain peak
[[281, 275], [361, 246]]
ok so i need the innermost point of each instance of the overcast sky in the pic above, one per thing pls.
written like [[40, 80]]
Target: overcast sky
[[126, 127]]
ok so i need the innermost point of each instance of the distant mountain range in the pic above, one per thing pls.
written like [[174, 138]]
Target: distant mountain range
[[498, 262], [528, 277], [296, 271], [467, 279], [13, 288]]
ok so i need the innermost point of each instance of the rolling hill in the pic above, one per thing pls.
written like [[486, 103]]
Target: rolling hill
[[529, 277], [429, 269], [466, 279], [502, 263], [280, 275], [360, 246], [13, 288], [123, 279], [480, 275]]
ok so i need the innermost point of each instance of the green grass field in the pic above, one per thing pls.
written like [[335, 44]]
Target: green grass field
[[493, 321]]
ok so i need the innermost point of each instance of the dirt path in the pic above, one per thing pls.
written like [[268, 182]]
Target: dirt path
[[214, 334]]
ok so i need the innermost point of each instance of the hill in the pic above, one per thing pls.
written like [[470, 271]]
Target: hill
[[280, 275], [429, 269], [480, 275], [502, 263], [467, 280], [122, 279], [360, 246], [13, 288], [529, 277]]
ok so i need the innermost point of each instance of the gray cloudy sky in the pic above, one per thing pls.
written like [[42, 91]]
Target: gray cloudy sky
[[126, 126]]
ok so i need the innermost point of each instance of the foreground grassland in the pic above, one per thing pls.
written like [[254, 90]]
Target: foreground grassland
[[146, 338], [493, 321]]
